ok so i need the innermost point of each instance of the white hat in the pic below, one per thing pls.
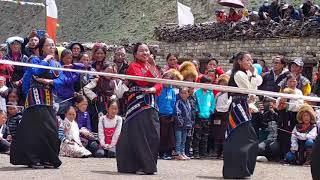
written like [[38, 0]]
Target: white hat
[[10, 40]]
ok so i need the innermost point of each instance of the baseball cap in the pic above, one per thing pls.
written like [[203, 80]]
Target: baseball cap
[[298, 61]]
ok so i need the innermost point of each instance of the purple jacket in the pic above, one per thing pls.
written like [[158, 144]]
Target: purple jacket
[[83, 120]]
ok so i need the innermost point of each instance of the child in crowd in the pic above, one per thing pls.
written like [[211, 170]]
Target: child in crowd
[[72, 146], [284, 123], [109, 130], [219, 123], [166, 103], [4, 144], [287, 111], [13, 96], [293, 104], [14, 118], [183, 122], [99, 92], [205, 105], [88, 138], [3, 93], [64, 84], [269, 147], [85, 79], [192, 101], [303, 136]]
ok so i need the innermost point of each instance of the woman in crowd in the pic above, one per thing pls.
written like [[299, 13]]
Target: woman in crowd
[[99, 91], [172, 62], [14, 53], [241, 146], [76, 49], [138, 144], [99, 55], [213, 64], [37, 144]]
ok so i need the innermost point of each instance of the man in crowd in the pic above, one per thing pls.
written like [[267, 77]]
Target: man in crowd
[[272, 78], [296, 68], [120, 60]]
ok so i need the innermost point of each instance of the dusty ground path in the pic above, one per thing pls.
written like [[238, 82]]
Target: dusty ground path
[[91, 168]]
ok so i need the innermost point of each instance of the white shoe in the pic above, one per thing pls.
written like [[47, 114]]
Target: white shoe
[[262, 159]]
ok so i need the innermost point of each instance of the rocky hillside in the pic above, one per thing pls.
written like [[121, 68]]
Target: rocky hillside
[[101, 20]]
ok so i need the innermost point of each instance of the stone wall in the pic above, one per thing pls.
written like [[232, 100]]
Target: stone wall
[[307, 48]]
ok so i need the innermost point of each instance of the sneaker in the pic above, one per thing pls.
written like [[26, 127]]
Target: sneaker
[[262, 159], [179, 157], [166, 157], [185, 157]]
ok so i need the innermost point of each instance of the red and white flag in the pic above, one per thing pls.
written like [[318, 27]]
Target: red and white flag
[[52, 19]]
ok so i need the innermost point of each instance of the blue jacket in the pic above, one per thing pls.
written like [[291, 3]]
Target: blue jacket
[[183, 118], [28, 75], [166, 101], [64, 84], [205, 103]]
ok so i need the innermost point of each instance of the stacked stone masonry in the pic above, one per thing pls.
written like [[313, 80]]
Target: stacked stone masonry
[[307, 48]]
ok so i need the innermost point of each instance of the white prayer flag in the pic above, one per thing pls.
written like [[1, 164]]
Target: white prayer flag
[[52, 18], [185, 15]]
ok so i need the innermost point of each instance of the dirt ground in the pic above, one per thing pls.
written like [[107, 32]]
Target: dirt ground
[[93, 168]]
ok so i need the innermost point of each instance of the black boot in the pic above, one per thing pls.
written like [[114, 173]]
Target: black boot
[[308, 154]]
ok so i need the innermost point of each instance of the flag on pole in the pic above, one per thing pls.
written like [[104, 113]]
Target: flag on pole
[[185, 15], [52, 19]]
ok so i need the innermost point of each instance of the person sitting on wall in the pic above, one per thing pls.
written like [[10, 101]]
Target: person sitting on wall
[[234, 16]]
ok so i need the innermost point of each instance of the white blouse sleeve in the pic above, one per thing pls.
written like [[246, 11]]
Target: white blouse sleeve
[[101, 131], [117, 131]]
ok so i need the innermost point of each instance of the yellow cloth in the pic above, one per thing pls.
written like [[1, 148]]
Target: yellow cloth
[[60, 49], [306, 89]]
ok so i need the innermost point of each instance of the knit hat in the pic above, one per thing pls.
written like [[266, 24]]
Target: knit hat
[[174, 74], [309, 109], [223, 78], [188, 69]]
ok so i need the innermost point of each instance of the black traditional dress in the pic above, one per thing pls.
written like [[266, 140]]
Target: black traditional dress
[[241, 146], [37, 139], [315, 160], [138, 144]]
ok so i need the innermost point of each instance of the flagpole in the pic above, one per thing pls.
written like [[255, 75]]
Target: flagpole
[[45, 15], [177, 12]]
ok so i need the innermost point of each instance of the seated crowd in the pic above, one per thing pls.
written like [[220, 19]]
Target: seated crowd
[[275, 11]]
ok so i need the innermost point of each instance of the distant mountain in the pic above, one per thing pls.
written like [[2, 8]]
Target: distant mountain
[[103, 20]]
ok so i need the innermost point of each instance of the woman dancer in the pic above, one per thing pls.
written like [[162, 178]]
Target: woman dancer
[[37, 144], [241, 146], [138, 144]]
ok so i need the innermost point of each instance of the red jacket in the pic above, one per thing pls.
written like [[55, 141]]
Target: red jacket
[[137, 68]]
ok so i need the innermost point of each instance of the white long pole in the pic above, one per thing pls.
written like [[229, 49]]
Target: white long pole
[[171, 82]]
